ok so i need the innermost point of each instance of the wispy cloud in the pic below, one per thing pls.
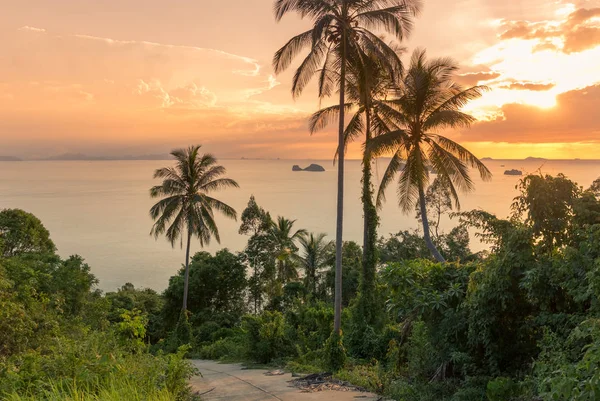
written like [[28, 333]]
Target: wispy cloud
[[32, 29]]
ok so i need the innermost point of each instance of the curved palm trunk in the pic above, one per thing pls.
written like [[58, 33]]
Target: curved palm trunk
[[187, 270], [337, 320], [369, 260], [436, 254], [280, 271]]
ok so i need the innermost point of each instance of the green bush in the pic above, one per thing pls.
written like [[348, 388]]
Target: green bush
[[225, 349], [422, 359], [265, 336], [370, 377], [502, 389], [335, 353], [569, 371]]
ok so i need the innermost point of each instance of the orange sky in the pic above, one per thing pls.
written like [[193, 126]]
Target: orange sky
[[135, 77]]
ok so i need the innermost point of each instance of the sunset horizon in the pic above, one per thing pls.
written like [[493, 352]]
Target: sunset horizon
[[75, 83]]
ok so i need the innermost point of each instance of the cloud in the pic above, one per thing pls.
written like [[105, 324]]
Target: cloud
[[579, 31], [190, 96], [575, 118], [474, 78], [27, 28], [530, 86]]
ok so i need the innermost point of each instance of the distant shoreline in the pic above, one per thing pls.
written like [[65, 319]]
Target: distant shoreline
[[12, 159]]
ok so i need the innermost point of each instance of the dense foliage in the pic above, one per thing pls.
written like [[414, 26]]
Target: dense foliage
[[518, 322], [60, 338]]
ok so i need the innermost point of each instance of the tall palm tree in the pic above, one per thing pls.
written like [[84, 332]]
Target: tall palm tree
[[283, 235], [186, 209], [429, 101], [341, 32], [313, 258], [368, 87]]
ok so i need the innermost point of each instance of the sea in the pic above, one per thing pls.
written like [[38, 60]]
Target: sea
[[100, 209]]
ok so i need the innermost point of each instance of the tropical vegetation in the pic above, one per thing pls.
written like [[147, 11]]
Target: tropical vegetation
[[186, 208], [415, 315], [62, 339], [343, 34]]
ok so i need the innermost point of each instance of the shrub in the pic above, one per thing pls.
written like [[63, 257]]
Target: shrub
[[370, 377], [335, 353], [265, 336], [226, 349]]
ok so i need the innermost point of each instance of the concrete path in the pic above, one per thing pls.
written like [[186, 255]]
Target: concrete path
[[229, 382]]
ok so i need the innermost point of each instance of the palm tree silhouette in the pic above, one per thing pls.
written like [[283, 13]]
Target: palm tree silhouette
[[368, 87], [283, 236], [340, 35], [313, 258], [429, 101], [186, 209]]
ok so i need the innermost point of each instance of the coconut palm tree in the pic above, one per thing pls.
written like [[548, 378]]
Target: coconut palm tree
[[313, 258], [283, 235], [368, 87], [428, 102], [341, 32], [186, 209]]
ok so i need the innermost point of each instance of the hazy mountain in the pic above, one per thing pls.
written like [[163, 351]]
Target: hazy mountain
[[10, 159], [83, 157]]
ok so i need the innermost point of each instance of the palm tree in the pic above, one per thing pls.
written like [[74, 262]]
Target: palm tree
[[186, 209], [429, 101], [341, 32], [314, 257], [283, 235], [368, 87]]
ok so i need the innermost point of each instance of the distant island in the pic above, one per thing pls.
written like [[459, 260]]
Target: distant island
[[10, 159], [84, 157], [313, 167], [527, 159]]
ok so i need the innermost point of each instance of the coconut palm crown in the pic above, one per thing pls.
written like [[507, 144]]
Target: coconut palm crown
[[428, 102]]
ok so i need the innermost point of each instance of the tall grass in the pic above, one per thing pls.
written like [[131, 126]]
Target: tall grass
[[114, 389]]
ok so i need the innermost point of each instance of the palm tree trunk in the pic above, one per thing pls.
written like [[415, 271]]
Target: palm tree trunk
[[436, 254], [280, 272], [255, 288], [337, 320], [369, 260], [187, 270]]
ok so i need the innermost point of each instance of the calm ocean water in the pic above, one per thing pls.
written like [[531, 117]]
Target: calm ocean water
[[100, 209]]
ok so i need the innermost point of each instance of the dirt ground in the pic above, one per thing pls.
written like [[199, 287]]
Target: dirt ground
[[231, 382]]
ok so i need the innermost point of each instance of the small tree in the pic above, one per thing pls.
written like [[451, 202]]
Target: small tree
[[186, 209], [22, 232]]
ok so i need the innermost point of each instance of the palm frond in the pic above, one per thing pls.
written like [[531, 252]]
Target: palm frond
[[324, 117], [464, 155], [220, 183], [387, 143], [447, 119], [284, 56], [388, 176], [397, 20], [311, 8], [308, 68], [353, 130], [414, 177], [222, 207]]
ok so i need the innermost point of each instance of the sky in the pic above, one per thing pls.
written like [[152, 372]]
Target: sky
[[121, 77]]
